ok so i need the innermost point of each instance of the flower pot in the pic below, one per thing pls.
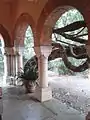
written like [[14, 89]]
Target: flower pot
[[32, 88]]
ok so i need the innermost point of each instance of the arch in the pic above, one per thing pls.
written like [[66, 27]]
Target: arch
[[51, 13], [46, 31], [20, 28], [7, 40]]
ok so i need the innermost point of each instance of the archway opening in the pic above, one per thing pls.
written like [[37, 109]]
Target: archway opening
[[27, 70], [69, 38], [28, 45]]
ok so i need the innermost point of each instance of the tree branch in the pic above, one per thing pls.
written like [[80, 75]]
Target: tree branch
[[71, 27]]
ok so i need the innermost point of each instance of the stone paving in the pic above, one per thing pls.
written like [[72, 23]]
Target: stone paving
[[19, 106]]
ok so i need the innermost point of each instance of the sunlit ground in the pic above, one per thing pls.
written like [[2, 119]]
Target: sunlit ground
[[72, 90]]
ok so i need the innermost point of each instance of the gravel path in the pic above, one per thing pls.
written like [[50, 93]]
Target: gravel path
[[74, 91]]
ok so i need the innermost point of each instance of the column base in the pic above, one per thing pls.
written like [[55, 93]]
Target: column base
[[8, 80], [43, 94]]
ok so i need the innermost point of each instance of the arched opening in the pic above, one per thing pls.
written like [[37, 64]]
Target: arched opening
[[28, 45], [24, 45], [66, 38], [24, 38], [24, 50]]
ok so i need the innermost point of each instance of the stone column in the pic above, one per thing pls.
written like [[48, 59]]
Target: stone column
[[9, 63], [43, 62], [9, 60], [19, 59], [43, 92], [14, 64], [6, 68], [88, 52]]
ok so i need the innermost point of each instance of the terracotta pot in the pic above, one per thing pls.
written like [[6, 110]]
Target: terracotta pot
[[32, 88]]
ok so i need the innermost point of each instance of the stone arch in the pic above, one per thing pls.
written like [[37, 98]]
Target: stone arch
[[20, 28], [50, 14], [6, 36]]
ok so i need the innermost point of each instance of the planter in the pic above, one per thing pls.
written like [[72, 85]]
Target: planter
[[29, 86], [32, 88]]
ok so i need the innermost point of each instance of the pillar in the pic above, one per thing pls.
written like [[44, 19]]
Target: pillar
[[9, 63], [43, 92], [6, 68], [19, 59], [43, 62], [88, 52]]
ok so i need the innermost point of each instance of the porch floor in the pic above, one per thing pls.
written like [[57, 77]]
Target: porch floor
[[19, 106]]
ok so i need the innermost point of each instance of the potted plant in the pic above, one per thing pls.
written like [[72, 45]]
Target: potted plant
[[29, 77]]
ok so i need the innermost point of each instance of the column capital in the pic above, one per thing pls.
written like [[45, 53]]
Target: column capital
[[9, 51], [43, 50], [18, 50]]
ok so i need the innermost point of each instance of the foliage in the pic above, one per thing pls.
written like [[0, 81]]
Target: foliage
[[29, 44], [67, 18], [29, 75], [58, 66], [30, 72]]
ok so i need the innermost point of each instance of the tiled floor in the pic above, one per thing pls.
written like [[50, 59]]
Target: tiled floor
[[18, 106]]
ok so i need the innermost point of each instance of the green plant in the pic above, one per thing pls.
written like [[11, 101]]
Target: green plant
[[29, 76]]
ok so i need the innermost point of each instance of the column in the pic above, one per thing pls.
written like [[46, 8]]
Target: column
[[6, 68], [9, 52], [19, 59], [88, 52], [43, 71], [13, 64], [43, 92], [9, 63]]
